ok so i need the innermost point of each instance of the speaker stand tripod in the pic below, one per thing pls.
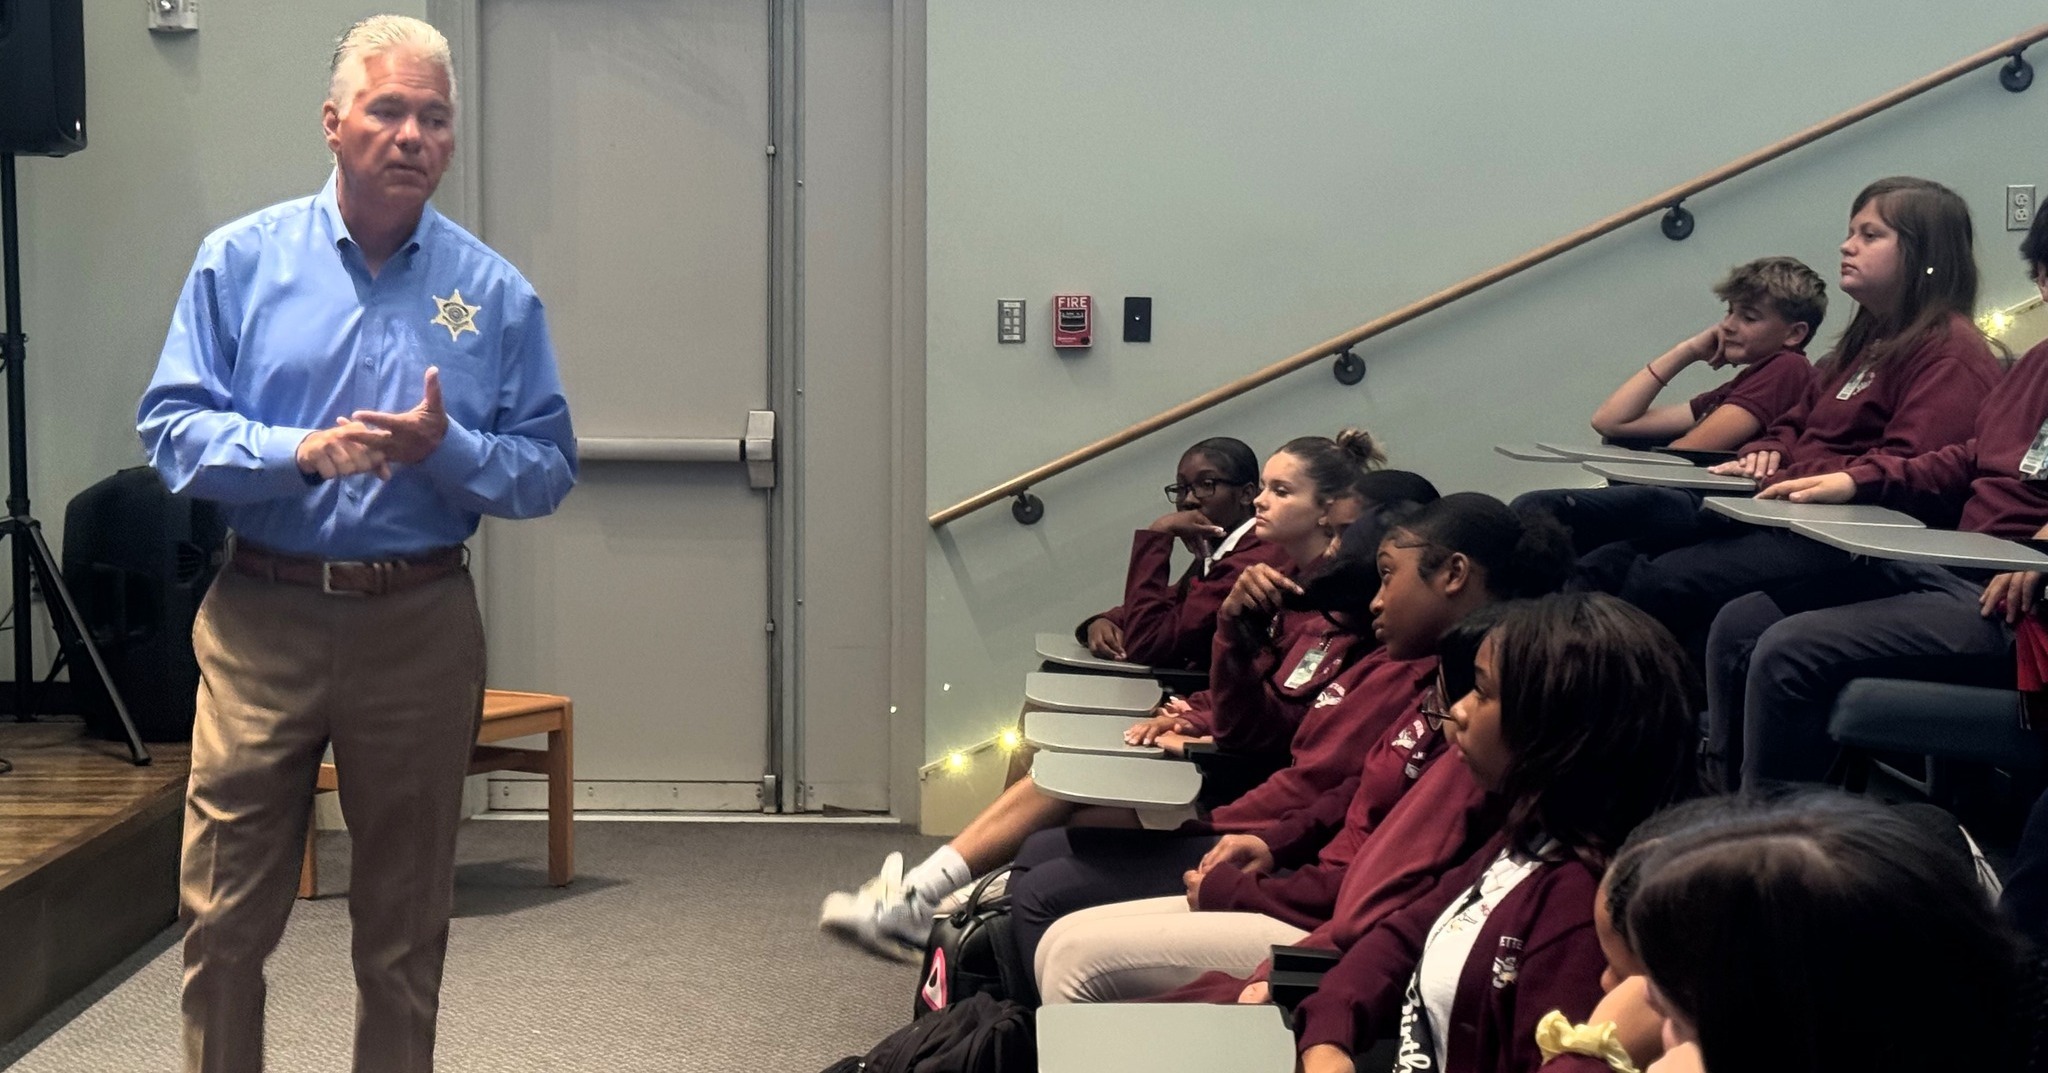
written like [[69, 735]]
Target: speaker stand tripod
[[24, 535]]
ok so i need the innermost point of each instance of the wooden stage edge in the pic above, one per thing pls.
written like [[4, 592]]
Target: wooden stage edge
[[88, 860]]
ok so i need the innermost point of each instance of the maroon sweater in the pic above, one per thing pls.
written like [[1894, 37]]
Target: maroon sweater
[[1919, 402], [1981, 474], [1249, 707], [1170, 623], [1429, 834], [1535, 953], [1356, 708], [1764, 389], [1318, 853]]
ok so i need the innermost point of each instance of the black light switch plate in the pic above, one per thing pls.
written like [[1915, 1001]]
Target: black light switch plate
[[1137, 320]]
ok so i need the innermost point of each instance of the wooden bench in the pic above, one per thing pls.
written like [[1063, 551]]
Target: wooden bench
[[507, 714]]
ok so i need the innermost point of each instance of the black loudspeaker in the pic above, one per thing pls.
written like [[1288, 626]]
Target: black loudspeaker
[[42, 77], [138, 560]]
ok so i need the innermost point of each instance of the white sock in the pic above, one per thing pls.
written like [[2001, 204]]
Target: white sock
[[940, 874]]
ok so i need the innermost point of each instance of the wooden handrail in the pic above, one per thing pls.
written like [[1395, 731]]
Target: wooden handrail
[[1338, 344]]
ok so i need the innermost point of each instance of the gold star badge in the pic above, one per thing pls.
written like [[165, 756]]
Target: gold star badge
[[456, 315]]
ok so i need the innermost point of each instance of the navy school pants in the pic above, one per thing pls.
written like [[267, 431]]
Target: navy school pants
[[1776, 659]]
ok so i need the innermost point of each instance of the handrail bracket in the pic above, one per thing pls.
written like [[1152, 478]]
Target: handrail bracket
[[1677, 222], [2017, 74], [1350, 368]]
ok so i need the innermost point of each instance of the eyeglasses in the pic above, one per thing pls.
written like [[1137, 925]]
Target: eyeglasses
[[1436, 706], [1201, 489]]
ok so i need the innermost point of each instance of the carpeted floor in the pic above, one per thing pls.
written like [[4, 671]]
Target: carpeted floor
[[680, 947]]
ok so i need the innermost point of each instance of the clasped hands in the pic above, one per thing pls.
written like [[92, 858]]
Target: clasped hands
[[371, 441]]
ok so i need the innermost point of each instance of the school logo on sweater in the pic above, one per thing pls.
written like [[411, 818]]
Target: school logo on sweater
[[1507, 966], [1331, 695], [456, 315], [1503, 972]]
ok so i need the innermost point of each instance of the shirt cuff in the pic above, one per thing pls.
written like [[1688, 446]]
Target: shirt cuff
[[277, 453], [460, 455], [1867, 478]]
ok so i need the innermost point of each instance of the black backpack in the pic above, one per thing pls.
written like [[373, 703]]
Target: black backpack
[[977, 1034], [970, 953]]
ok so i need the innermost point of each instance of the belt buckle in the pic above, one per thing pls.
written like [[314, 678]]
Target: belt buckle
[[327, 578]]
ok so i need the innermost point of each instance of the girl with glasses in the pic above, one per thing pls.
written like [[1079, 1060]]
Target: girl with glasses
[[1272, 668], [1578, 727], [1164, 622]]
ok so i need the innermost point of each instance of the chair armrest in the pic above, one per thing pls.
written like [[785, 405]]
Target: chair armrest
[[1288, 990], [1313, 959]]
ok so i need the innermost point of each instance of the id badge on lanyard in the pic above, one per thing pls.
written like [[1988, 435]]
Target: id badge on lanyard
[[1855, 385], [2036, 459], [1306, 669]]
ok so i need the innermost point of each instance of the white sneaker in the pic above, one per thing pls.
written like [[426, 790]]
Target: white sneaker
[[882, 916]]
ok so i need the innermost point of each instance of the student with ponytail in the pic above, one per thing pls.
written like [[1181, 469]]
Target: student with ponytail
[[1374, 844], [1309, 494], [1168, 623]]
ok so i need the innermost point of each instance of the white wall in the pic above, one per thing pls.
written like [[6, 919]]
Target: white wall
[[1275, 174]]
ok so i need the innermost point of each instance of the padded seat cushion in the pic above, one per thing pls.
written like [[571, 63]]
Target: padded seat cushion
[[1968, 723]]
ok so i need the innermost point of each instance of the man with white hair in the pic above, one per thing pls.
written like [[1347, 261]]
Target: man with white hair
[[356, 380]]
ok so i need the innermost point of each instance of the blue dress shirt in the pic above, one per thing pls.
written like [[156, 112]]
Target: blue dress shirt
[[281, 329]]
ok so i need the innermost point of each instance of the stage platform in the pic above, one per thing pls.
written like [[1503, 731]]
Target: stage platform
[[88, 860]]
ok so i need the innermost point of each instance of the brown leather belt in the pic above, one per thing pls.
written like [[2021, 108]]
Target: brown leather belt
[[348, 577]]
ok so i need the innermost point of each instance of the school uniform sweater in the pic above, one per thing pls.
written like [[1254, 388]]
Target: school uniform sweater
[[1201, 702], [1356, 708], [1250, 707], [1435, 828], [1309, 855], [1170, 623], [1921, 402], [1980, 476], [1764, 389], [1536, 952]]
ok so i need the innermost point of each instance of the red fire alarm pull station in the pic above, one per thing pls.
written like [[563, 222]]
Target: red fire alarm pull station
[[1072, 316]]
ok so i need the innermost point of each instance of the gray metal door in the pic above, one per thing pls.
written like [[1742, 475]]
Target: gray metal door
[[624, 168], [698, 189]]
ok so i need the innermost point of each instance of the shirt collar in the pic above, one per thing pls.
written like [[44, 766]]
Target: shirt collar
[[1229, 545], [1230, 542], [337, 229]]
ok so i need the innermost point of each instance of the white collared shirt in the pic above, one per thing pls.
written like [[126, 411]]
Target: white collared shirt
[[1229, 545]]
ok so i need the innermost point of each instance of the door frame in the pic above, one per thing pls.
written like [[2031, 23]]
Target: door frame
[[461, 197]]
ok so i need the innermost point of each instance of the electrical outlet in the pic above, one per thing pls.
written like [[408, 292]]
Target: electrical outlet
[[2019, 207], [1009, 320]]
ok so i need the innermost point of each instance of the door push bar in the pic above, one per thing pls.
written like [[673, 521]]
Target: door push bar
[[755, 449]]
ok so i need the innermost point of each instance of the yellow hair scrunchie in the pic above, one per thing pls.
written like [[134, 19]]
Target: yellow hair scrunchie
[[1556, 1035]]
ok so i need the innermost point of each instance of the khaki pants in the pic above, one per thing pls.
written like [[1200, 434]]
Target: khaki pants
[[395, 684], [1135, 950]]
